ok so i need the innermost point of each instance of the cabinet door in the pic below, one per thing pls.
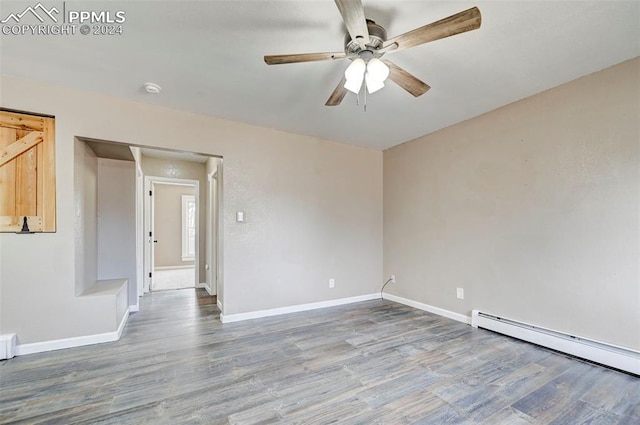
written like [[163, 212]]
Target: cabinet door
[[27, 172]]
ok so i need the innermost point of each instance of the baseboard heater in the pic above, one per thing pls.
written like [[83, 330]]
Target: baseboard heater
[[607, 354]]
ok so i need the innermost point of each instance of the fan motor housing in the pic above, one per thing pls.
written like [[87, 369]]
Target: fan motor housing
[[377, 36]]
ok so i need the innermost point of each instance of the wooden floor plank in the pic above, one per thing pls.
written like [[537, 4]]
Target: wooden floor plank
[[375, 362]]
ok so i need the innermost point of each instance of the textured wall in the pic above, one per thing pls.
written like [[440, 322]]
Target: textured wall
[[313, 208], [532, 208], [85, 186], [117, 223]]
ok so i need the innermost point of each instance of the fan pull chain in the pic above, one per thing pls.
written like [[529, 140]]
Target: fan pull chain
[[365, 97], [363, 89]]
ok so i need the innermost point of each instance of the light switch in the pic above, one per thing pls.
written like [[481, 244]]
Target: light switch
[[239, 216]]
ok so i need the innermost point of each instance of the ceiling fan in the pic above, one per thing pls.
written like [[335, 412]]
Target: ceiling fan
[[366, 42]]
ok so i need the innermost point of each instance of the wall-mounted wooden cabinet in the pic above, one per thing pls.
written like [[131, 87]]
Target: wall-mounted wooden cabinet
[[27, 172]]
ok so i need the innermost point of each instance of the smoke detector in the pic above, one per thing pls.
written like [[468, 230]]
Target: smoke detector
[[152, 88]]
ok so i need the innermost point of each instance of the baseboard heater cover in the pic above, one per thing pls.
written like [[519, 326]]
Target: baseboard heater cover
[[600, 352], [7, 346]]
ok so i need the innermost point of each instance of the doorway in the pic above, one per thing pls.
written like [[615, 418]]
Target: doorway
[[159, 168], [164, 166], [175, 229], [174, 233]]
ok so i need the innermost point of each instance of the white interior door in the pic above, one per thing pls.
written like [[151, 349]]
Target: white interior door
[[152, 235], [148, 234], [140, 231]]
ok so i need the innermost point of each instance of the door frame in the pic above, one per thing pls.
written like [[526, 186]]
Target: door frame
[[147, 240], [140, 244], [210, 244], [213, 231]]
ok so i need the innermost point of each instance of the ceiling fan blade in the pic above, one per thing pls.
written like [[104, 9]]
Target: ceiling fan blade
[[353, 16], [467, 20], [406, 80], [338, 94], [302, 57]]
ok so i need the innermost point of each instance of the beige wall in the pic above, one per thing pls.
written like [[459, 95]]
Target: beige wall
[[41, 275], [85, 200], [116, 248], [533, 209], [313, 208], [167, 225]]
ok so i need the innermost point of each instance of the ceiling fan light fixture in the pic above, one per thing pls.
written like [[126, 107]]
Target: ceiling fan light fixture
[[373, 84], [355, 69], [354, 84], [366, 40], [377, 70], [354, 74]]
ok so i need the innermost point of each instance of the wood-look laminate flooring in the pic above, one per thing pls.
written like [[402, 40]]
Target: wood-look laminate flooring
[[374, 362]]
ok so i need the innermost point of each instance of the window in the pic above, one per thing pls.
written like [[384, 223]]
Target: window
[[188, 227]]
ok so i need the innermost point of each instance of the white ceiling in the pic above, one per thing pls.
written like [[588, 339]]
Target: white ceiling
[[208, 58]]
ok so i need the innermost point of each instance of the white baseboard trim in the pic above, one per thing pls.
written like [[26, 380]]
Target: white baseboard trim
[[295, 308], [123, 322], [208, 289], [77, 341], [201, 285], [134, 308], [431, 309]]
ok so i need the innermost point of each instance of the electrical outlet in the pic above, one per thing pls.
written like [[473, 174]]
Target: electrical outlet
[[332, 283], [393, 278], [460, 293]]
